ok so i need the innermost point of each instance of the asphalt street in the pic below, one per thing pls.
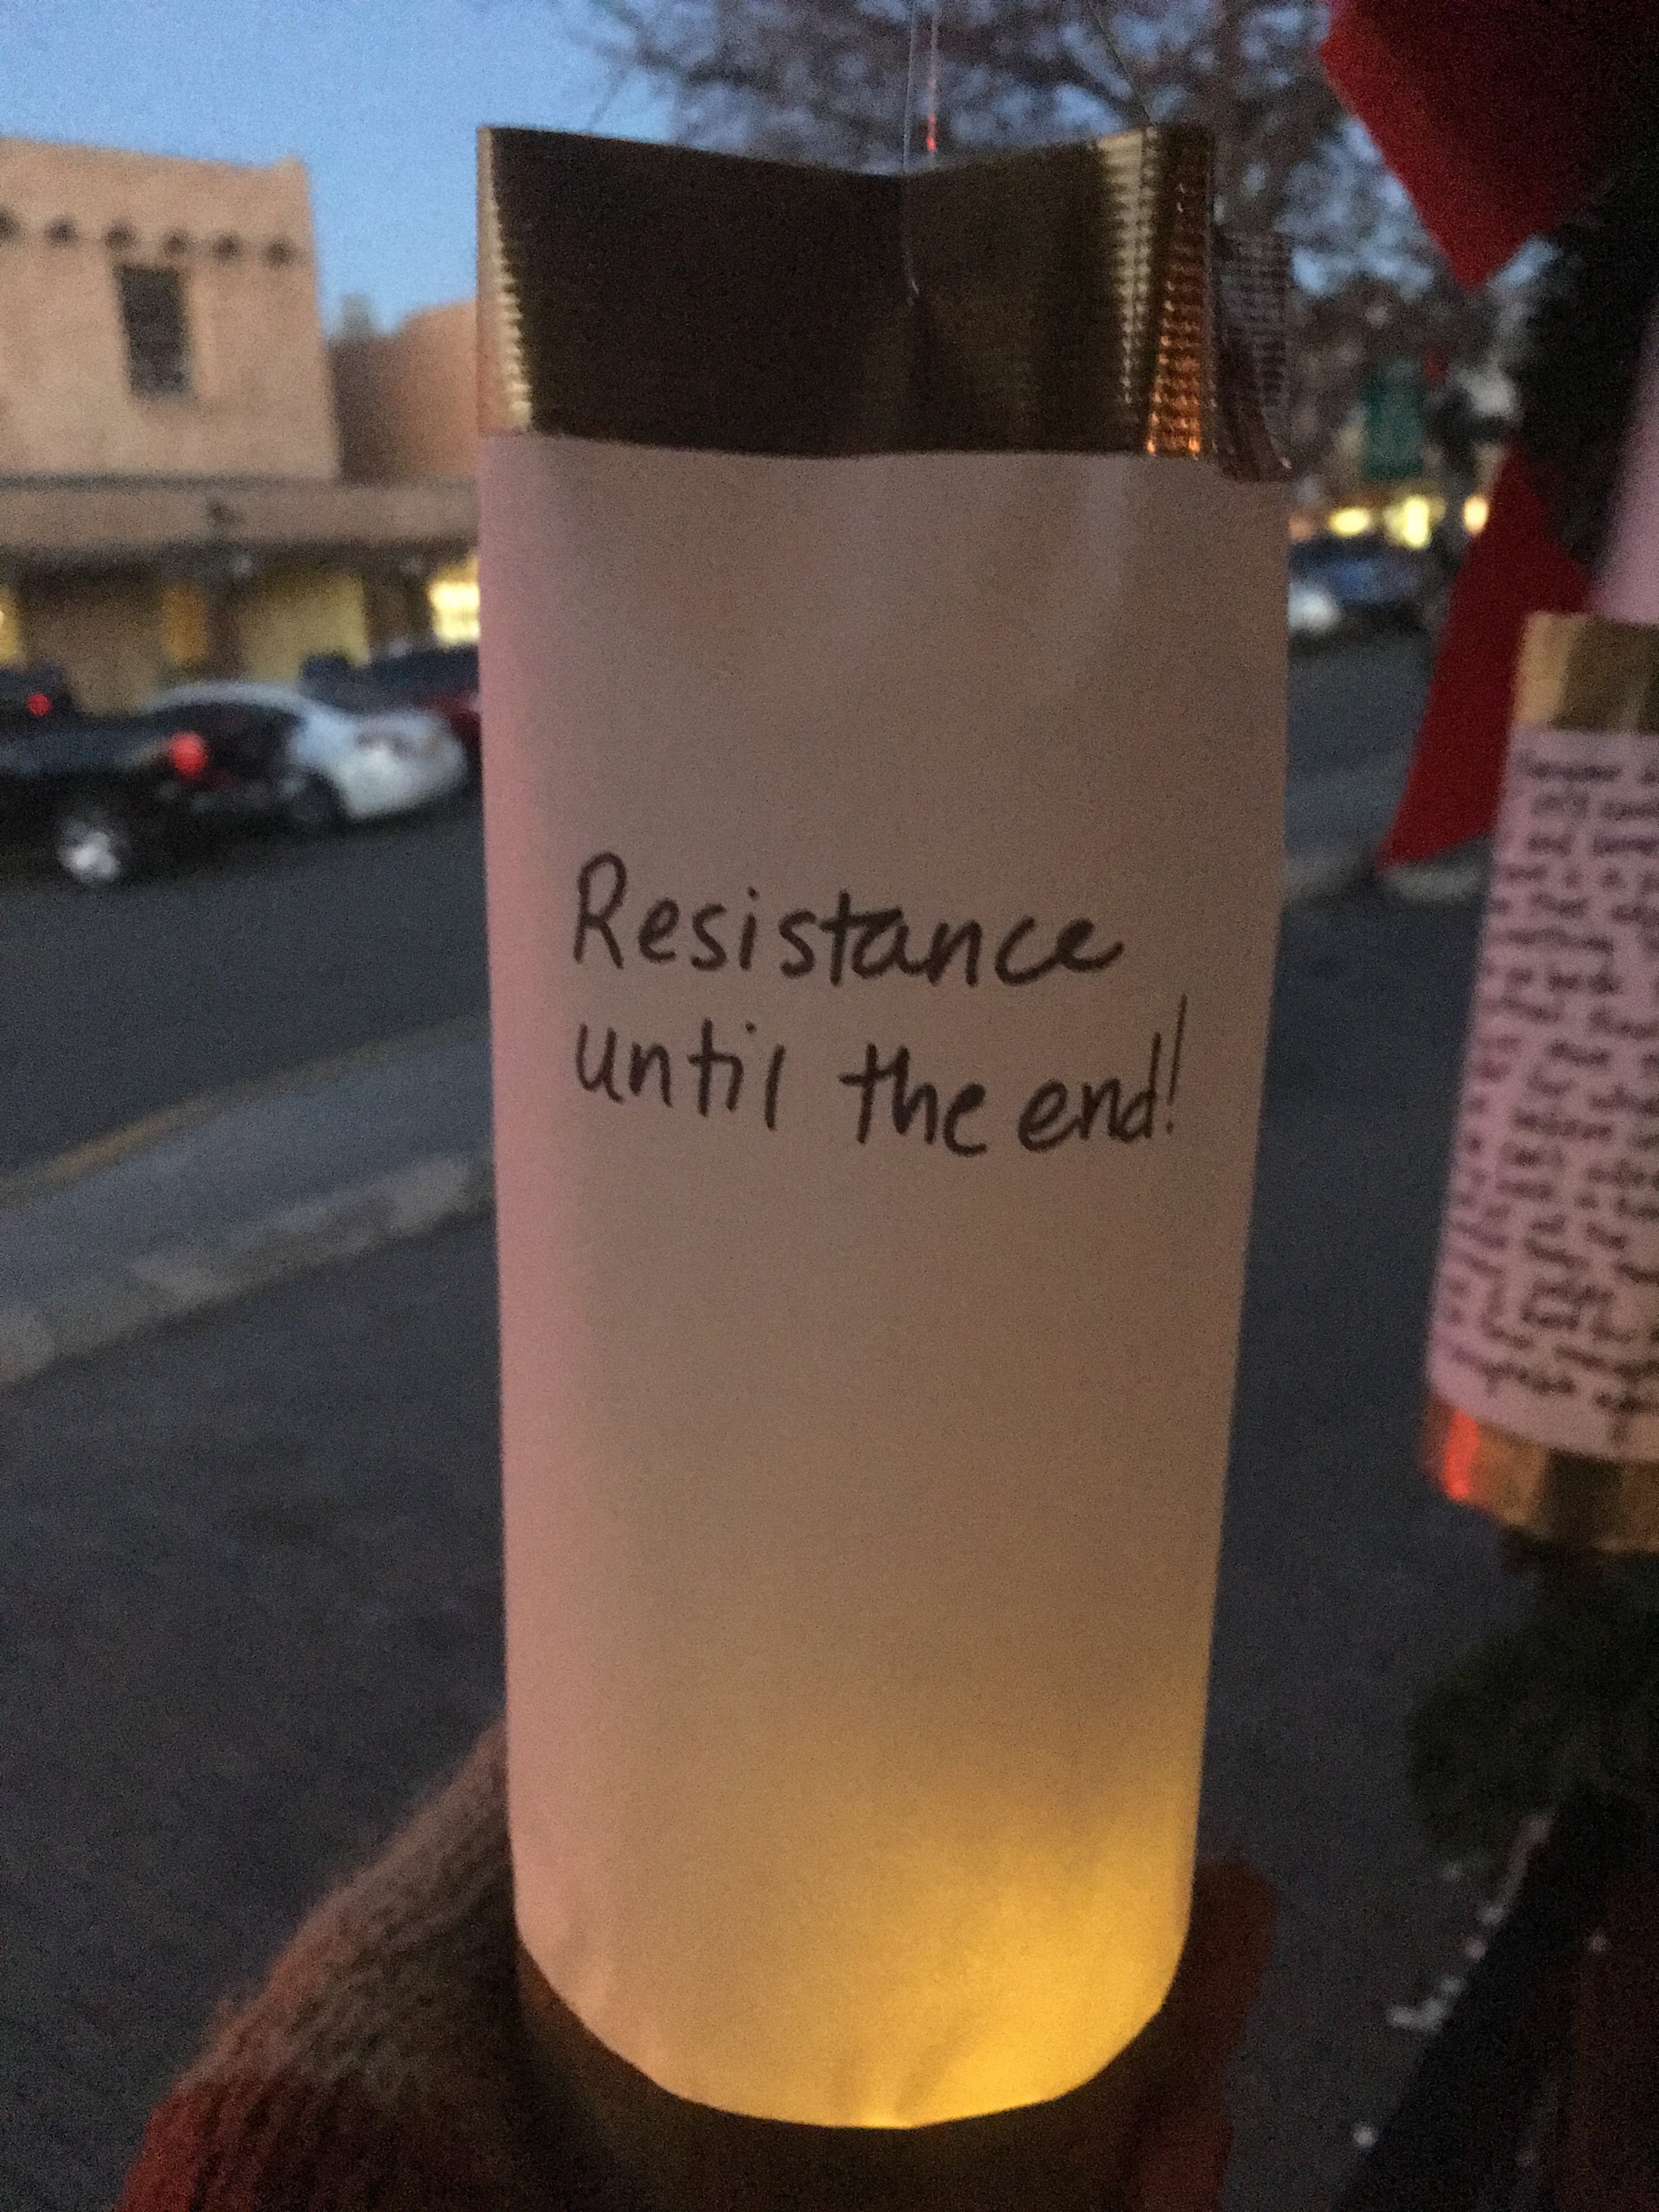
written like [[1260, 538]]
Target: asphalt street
[[275, 953], [250, 1592], [272, 953]]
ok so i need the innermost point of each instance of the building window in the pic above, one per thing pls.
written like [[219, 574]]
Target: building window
[[186, 625], [158, 336], [280, 252], [9, 227], [12, 655], [453, 595], [227, 246], [120, 237], [63, 232]]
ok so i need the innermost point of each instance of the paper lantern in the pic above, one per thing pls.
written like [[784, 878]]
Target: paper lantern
[[1544, 1344], [884, 677]]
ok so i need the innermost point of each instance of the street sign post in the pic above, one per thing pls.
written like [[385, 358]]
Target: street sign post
[[1393, 403]]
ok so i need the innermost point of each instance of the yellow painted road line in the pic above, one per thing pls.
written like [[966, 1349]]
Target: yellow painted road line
[[63, 1169]]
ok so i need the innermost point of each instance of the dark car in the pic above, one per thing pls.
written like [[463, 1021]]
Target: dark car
[[443, 677], [31, 696], [111, 795], [1376, 586]]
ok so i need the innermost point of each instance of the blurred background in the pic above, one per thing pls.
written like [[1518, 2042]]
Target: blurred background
[[235, 278], [249, 1534]]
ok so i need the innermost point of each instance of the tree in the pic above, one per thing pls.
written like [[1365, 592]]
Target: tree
[[833, 80], [827, 79]]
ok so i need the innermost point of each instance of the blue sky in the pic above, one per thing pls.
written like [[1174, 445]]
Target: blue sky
[[379, 98]]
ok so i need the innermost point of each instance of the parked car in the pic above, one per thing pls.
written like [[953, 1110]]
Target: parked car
[[1313, 610], [28, 695], [111, 795], [1374, 585], [342, 766], [442, 678]]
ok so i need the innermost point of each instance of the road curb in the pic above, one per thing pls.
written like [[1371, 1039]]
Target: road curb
[[1323, 871], [40, 1177], [172, 1284]]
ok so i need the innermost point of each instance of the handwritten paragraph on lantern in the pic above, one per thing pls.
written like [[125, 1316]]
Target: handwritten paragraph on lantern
[[722, 1067], [1548, 1289]]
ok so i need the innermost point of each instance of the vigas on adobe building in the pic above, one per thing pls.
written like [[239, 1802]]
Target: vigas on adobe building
[[172, 494]]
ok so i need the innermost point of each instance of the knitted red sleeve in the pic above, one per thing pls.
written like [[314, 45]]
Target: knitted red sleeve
[[381, 2068]]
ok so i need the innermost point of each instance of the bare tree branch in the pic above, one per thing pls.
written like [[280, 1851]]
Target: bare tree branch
[[826, 80]]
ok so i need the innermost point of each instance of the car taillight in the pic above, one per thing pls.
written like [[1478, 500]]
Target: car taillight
[[39, 704], [188, 754]]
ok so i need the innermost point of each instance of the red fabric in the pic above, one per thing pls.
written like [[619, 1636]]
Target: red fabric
[[1498, 116], [1514, 568]]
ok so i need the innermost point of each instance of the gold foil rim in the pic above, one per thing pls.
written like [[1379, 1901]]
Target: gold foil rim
[[1064, 300], [1557, 1498], [1585, 673]]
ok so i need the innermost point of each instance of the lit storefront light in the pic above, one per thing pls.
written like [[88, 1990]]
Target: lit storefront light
[[12, 655], [453, 595], [1410, 521], [1350, 521], [1475, 509], [186, 629]]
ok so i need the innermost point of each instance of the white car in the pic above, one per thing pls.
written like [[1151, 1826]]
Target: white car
[[1313, 608], [341, 767]]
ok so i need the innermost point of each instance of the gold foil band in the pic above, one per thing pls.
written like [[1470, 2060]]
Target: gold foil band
[[1583, 672], [672, 2153], [1073, 299], [1576, 673], [1556, 1497]]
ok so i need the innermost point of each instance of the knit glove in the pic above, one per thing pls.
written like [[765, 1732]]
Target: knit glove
[[381, 2068], [384, 2067]]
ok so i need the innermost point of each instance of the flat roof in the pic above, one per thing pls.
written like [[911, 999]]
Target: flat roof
[[82, 522]]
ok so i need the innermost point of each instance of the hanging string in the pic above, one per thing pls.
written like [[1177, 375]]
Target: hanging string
[[930, 120], [1105, 34], [931, 142], [922, 107], [1103, 24], [930, 113]]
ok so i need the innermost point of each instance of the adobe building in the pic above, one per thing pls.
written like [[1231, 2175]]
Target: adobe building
[[406, 404], [172, 495], [405, 399]]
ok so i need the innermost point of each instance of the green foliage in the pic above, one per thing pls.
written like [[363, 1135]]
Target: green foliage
[[1565, 1705]]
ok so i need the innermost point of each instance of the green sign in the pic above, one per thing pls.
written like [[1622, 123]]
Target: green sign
[[1394, 422]]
